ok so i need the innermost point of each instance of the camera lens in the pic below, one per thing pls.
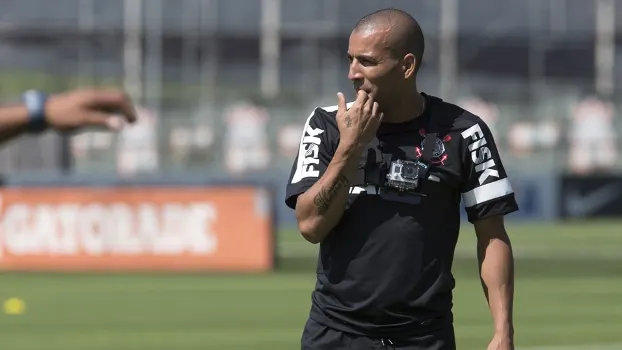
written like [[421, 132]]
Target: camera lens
[[409, 171]]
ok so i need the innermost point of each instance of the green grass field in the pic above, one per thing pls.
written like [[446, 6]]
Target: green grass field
[[568, 294]]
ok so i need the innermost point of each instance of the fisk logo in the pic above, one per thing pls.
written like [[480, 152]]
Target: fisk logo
[[481, 155], [308, 154]]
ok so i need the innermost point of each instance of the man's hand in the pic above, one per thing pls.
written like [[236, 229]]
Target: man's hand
[[501, 342], [358, 125], [319, 209], [109, 108]]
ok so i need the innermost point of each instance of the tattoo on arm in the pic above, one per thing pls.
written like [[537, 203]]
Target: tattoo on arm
[[324, 199]]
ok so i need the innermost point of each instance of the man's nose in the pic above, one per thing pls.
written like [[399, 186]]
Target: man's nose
[[354, 72]]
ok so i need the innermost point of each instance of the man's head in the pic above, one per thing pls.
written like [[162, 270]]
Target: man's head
[[385, 52]]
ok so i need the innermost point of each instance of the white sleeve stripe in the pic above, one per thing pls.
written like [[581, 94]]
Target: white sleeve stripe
[[487, 192], [301, 151]]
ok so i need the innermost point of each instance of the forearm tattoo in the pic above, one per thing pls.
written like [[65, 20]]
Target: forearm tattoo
[[324, 199]]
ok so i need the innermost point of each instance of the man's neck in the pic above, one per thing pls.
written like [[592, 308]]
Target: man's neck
[[408, 108]]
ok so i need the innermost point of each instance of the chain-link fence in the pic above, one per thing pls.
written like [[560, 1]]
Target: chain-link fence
[[226, 84]]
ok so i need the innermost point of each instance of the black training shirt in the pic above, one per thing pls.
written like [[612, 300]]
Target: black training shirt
[[385, 269]]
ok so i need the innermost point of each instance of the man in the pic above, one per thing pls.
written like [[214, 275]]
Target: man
[[386, 247], [68, 111]]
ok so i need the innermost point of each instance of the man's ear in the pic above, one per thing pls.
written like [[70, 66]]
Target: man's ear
[[409, 65]]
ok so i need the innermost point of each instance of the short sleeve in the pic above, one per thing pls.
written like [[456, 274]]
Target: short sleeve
[[486, 189], [314, 155]]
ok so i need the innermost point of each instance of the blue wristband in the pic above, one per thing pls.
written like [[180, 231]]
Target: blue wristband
[[35, 101]]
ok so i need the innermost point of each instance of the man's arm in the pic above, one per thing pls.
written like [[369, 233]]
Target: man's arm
[[13, 122], [69, 111], [320, 178], [488, 196], [496, 266], [320, 208]]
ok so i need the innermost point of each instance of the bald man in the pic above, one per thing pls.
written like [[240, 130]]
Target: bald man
[[378, 183]]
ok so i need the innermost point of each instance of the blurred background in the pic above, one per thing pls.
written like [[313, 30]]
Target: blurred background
[[223, 88]]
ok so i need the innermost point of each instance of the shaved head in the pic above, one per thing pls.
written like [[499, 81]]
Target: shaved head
[[405, 34]]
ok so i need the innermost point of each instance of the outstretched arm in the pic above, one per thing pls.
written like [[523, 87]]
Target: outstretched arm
[[13, 122], [66, 112]]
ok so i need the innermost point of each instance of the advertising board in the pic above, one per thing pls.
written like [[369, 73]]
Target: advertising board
[[590, 196], [136, 228]]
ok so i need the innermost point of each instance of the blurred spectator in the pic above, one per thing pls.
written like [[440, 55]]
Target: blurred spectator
[[191, 146], [289, 140], [179, 143], [246, 144], [487, 110], [91, 144], [522, 138], [592, 137], [137, 146], [526, 137], [548, 134]]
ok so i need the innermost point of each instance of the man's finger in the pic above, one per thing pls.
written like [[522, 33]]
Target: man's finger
[[115, 122], [341, 103], [375, 109], [106, 120], [111, 100], [369, 103], [361, 97]]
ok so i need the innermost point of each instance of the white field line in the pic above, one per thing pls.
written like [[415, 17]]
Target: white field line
[[617, 346]]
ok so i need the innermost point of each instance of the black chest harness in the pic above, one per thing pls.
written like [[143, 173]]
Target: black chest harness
[[400, 180]]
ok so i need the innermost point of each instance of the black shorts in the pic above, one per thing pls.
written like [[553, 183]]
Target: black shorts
[[319, 337]]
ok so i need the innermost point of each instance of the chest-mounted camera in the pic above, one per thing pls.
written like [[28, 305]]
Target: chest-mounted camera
[[404, 175]]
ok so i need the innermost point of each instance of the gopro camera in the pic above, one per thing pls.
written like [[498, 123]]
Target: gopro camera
[[404, 175]]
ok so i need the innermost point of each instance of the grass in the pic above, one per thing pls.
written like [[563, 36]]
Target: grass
[[568, 294]]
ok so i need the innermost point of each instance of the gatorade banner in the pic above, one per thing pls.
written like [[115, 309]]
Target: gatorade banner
[[143, 228]]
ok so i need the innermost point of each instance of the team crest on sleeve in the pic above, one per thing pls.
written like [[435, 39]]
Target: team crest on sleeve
[[439, 154]]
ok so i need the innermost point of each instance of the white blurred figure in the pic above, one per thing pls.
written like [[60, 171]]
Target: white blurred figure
[[91, 148], [179, 143], [191, 145], [522, 139], [289, 139], [288, 142], [246, 143], [202, 138], [548, 134], [487, 111], [81, 145], [137, 145], [592, 137]]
